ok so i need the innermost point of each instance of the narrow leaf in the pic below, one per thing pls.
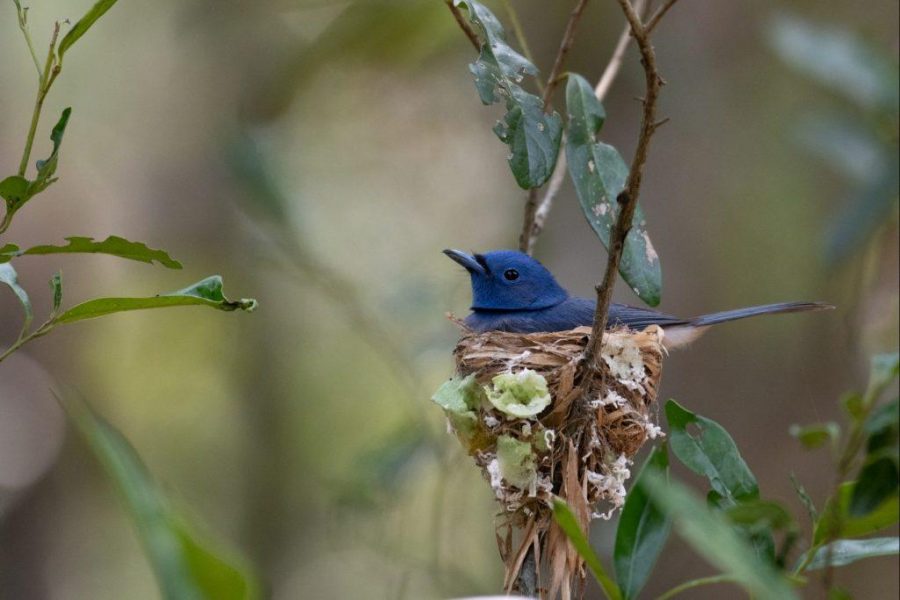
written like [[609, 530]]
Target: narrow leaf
[[113, 245], [599, 174], [186, 565], [83, 24], [207, 292], [845, 552], [711, 453], [533, 137], [569, 524], [47, 168], [643, 529], [9, 276], [714, 537]]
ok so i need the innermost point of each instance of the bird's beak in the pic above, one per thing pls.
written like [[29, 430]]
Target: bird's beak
[[466, 260]]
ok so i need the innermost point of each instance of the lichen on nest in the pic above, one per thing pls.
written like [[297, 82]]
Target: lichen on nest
[[519, 407]]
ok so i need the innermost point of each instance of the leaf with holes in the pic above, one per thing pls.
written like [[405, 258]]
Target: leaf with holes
[[533, 137], [711, 453], [599, 175]]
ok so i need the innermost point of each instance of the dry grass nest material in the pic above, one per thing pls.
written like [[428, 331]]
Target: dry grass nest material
[[561, 440]]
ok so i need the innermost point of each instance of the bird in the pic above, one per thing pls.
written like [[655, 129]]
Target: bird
[[514, 292]]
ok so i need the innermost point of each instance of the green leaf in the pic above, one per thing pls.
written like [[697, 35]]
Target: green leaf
[[643, 529], [533, 137], [9, 276], [838, 59], [113, 245], [569, 524], [47, 167], [57, 288], [599, 175], [848, 524], [13, 189], [187, 566], [845, 552], [711, 534], [516, 461], [207, 292], [817, 434], [83, 24], [711, 453], [853, 405], [884, 369], [878, 483]]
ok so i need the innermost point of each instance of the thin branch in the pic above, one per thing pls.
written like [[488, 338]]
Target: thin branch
[[565, 46], [520, 37], [463, 24], [628, 199], [658, 15], [542, 208]]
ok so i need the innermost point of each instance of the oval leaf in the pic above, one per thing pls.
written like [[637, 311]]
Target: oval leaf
[[599, 175], [643, 529], [710, 452]]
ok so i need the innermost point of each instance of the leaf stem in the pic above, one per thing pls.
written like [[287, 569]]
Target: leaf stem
[[694, 583], [47, 77]]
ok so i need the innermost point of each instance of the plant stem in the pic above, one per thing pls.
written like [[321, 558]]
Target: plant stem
[[463, 24], [627, 200], [44, 329], [23, 25], [48, 76], [688, 585], [520, 37]]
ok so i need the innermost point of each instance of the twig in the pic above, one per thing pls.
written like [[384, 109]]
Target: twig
[[542, 208], [48, 76], [565, 46], [627, 200], [520, 37], [463, 24], [658, 15]]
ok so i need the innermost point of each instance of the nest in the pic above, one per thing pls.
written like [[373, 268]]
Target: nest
[[540, 425]]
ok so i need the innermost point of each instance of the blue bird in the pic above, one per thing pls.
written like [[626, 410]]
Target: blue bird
[[512, 291]]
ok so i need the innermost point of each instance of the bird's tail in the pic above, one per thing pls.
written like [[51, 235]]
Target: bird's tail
[[682, 334], [752, 311]]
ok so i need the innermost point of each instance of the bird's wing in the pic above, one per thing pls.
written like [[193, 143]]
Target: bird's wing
[[639, 318]]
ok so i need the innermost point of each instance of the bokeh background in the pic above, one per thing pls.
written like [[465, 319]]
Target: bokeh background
[[320, 155]]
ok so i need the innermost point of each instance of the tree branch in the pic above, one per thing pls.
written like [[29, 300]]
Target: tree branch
[[658, 15], [541, 209], [628, 199], [464, 24]]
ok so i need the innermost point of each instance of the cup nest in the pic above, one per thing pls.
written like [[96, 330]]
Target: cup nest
[[540, 426]]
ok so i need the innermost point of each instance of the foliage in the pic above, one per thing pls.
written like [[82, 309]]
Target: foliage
[[735, 524], [186, 565], [534, 136]]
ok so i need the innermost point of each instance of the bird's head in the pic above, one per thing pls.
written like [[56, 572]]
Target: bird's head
[[509, 280]]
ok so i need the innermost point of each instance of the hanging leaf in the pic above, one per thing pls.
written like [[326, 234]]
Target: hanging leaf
[[711, 534], [710, 452], [599, 175], [533, 137], [83, 24], [207, 292], [187, 566], [643, 529], [113, 245]]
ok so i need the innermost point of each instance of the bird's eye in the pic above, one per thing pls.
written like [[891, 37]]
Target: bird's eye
[[511, 274]]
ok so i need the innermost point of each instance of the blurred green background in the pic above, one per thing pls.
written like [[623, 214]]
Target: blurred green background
[[320, 155]]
